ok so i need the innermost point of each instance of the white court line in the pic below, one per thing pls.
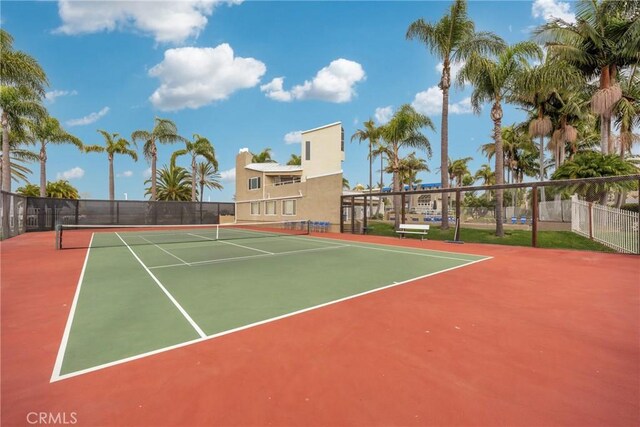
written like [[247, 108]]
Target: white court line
[[331, 240], [230, 243], [164, 250], [55, 375], [173, 300], [424, 252], [237, 258], [252, 325]]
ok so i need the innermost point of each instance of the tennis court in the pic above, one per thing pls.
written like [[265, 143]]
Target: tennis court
[[144, 291]]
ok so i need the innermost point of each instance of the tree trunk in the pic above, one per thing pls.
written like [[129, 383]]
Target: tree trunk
[[496, 116], [43, 170], [154, 158], [370, 180], [397, 209], [6, 161], [112, 189], [201, 192], [193, 179], [444, 150]]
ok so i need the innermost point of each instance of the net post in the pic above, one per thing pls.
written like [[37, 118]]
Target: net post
[[458, 220], [534, 216], [58, 236], [365, 223]]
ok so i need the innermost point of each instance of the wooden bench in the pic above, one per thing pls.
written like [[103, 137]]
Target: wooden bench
[[421, 229]]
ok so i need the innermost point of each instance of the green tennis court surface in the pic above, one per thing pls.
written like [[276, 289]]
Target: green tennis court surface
[[141, 293]]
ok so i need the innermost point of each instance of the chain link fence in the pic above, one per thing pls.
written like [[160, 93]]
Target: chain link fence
[[21, 214], [594, 213]]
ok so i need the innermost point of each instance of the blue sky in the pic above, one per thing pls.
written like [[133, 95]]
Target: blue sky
[[246, 74]]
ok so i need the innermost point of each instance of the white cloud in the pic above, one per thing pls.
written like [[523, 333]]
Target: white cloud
[[228, 175], [91, 118], [383, 114], [73, 173], [192, 77], [52, 95], [333, 83], [127, 174], [293, 137], [462, 107], [167, 21], [429, 102], [552, 9]]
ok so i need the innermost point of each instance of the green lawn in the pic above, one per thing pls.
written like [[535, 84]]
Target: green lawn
[[546, 239]]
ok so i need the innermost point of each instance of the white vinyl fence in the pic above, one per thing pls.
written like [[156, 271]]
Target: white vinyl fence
[[615, 228]]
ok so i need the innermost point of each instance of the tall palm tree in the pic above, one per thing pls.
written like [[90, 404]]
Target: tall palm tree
[[599, 44], [459, 168], [486, 174], [164, 131], [381, 150], [263, 157], [22, 85], [627, 112], [173, 184], [207, 176], [200, 146], [47, 130], [492, 79], [452, 39], [404, 130], [114, 144], [294, 160], [372, 134], [18, 157], [536, 86]]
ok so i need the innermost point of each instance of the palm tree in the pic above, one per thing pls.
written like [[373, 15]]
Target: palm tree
[[627, 112], [173, 184], [294, 160], [164, 131], [408, 170], [459, 168], [486, 174], [345, 184], [22, 83], [47, 130], [381, 150], [200, 146], [536, 86], [62, 189], [591, 164], [114, 144], [371, 133], [207, 176], [492, 80], [263, 157], [18, 157], [599, 44], [403, 130], [453, 40]]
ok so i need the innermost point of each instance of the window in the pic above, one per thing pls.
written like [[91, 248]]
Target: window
[[288, 207], [254, 183], [270, 208], [255, 208], [342, 139], [307, 150]]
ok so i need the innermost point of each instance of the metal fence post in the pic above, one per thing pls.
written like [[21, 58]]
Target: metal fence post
[[341, 211], [364, 221], [402, 211], [353, 214], [534, 217]]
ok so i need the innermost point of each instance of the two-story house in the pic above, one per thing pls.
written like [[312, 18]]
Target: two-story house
[[311, 191]]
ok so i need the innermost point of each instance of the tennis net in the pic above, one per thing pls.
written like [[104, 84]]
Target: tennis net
[[83, 236]]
